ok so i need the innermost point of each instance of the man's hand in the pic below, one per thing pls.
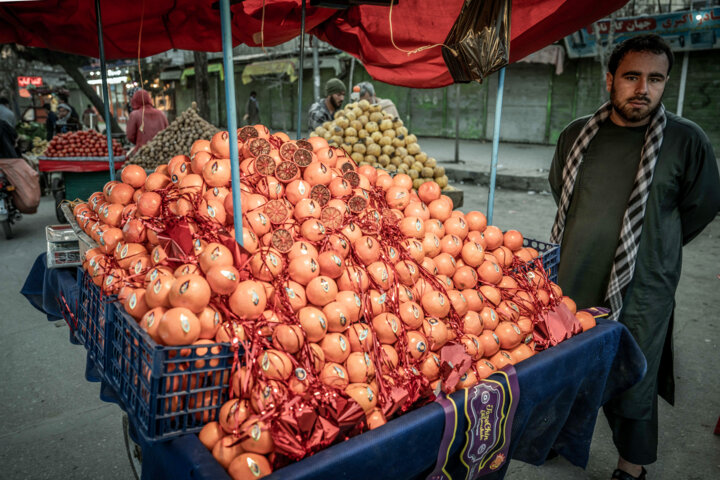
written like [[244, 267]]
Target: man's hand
[[246, 116]]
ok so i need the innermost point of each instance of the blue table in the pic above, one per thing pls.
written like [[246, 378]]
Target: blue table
[[561, 390]]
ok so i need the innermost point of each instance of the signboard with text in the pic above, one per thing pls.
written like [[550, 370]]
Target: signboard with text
[[27, 81], [686, 30]]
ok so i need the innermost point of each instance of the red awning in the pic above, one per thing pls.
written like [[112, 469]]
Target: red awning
[[363, 31]]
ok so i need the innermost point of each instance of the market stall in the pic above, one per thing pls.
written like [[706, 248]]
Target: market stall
[[363, 206], [561, 391]]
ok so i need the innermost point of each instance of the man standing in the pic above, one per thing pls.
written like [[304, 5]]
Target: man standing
[[367, 92], [6, 114], [633, 184], [50, 122], [323, 110], [252, 110]]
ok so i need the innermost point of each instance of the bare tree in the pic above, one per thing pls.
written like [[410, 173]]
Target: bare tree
[[202, 84]]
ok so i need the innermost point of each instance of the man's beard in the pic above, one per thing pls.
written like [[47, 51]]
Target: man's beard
[[630, 114], [335, 104]]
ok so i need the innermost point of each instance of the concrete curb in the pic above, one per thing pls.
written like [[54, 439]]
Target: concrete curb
[[502, 180]]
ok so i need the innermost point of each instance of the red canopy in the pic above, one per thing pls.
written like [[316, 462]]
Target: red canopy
[[363, 31]]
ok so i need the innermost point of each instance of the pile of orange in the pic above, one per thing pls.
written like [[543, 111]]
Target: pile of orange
[[351, 282]]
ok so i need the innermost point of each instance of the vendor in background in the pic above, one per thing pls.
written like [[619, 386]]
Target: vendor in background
[[323, 110], [633, 184], [6, 113], [50, 122], [145, 120], [367, 92], [252, 110], [66, 122], [65, 99]]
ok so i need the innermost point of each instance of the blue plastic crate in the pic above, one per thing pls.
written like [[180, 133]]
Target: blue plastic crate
[[550, 255], [164, 390], [91, 323]]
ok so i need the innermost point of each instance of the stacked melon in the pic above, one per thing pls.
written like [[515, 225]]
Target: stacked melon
[[371, 136]]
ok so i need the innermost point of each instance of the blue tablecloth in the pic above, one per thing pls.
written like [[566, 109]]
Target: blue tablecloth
[[561, 391]]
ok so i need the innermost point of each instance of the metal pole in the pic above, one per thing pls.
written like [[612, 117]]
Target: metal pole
[[300, 77], [495, 146], [316, 68], [230, 104], [457, 123], [106, 99], [683, 81]]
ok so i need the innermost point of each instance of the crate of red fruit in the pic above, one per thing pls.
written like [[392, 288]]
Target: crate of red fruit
[[167, 391], [83, 151]]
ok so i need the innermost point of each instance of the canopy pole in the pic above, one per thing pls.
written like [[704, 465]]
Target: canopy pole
[[230, 105], [302, 71], [106, 97], [316, 67], [457, 123], [495, 146]]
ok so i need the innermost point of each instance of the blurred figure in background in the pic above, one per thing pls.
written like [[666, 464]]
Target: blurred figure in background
[[65, 99], [252, 110], [6, 114], [145, 120], [367, 92], [50, 122], [323, 110], [66, 122]]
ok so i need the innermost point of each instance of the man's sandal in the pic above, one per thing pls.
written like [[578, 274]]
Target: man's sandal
[[623, 475]]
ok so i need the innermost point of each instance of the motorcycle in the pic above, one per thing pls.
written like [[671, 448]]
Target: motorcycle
[[9, 214]]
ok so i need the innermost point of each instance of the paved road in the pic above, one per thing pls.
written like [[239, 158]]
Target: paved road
[[53, 424]]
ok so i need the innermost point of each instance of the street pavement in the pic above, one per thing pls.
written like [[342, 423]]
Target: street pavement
[[53, 424]]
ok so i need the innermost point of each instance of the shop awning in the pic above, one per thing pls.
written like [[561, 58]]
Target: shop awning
[[212, 68], [272, 68], [361, 30]]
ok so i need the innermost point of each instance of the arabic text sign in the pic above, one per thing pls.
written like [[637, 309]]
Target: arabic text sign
[[687, 30], [26, 81]]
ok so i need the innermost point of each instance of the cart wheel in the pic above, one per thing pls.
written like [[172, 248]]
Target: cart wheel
[[133, 449]]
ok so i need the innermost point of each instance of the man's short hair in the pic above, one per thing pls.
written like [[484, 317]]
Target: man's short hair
[[253, 93], [4, 101], [366, 87], [641, 43]]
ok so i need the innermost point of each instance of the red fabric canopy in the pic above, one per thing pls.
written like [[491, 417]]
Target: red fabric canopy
[[363, 31]]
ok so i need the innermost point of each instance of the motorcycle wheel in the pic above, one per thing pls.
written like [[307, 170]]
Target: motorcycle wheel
[[7, 229]]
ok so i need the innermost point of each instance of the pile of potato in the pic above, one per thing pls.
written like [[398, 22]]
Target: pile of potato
[[176, 139], [373, 137]]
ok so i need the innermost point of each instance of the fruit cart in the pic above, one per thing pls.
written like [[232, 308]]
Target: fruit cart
[[75, 177], [561, 391]]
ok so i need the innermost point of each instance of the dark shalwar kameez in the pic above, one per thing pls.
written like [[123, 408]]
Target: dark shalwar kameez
[[684, 198]]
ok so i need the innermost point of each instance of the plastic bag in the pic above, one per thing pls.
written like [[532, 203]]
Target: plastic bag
[[26, 181], [479, 41]]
